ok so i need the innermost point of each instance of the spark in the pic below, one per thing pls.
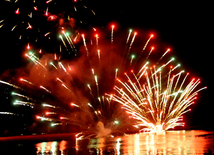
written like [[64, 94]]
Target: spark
[[44, 118], [89, 87], [152, 48], [55, 124], [93, 12], [96, 81], [50, 113], [42, 87], [48, 105], [84, 42], [98, 54], [23, 103], [133, 38], [21, 79], [60, 36], [151, 36], [112, 33], [69, 40], [164, 54], [72, 104], [17, 11], [132, 57], [116, 72], [30, 15], [28, 46], [9, 84], [97, 37], [13, 27], [35, 59], [61, 65], [52, 64], [46, 34], [29, 26], [127, 40], [7, 113], [65, 87], [46, 12], [17, 94]]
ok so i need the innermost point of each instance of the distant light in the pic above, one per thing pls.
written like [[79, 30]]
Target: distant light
[[28, 46], [94, 29], [30, 27], [17, 11]]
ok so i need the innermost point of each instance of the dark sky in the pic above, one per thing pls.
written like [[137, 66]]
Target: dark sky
[[186, 27]]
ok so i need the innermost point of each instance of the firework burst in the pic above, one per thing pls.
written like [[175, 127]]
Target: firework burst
[[72, 93], [39, 22], [76, 92], [157, 96]]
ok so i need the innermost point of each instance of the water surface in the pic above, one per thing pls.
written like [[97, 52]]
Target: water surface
[[172, 142]]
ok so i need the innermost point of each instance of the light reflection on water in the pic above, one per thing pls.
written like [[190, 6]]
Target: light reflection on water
[[172, 142]]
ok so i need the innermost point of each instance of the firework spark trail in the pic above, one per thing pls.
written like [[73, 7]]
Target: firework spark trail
[[151, 36], [150, 52], [127, 49], [112, 34], [60, 36], [69, 40], [164, 54], [132, 41], [98, 54], [35, 59], [132, 57], [9, 84], [144, 48], [20, 95], [157, 106], [84, 42]]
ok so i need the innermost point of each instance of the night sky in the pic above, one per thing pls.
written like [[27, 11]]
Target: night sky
[[187, 28]]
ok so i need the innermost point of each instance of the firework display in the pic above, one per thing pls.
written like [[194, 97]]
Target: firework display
[[39, 22], [96, 92], [157, 100]]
